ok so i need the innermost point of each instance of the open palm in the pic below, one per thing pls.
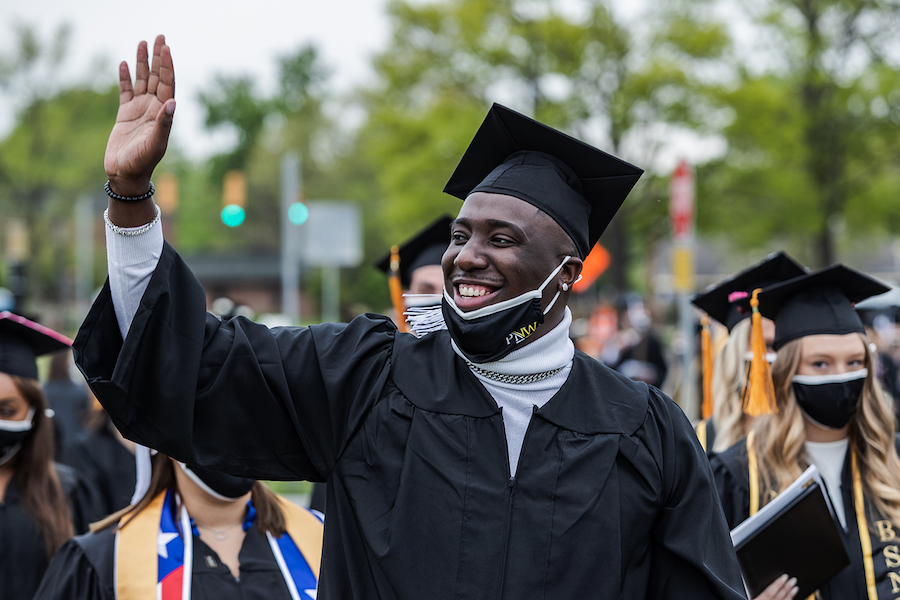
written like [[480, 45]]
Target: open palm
[[139, 138]]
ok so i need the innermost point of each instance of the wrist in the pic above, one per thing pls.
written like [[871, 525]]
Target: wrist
[[129, 187]]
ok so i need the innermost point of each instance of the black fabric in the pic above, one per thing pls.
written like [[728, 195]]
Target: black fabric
[[728, 302], [613, 497], [102, 460], [425, 248], [84, 567], [733, 482], [23, 555], [818, 303], [22, 341], [578, 185], [317, 498], [69, 401]]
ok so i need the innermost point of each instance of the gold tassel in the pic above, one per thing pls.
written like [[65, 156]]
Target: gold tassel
[[397, 290], [706, 353], [759, 395]]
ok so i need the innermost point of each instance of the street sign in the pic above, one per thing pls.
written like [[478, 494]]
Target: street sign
[[681, 201], [333, 235]]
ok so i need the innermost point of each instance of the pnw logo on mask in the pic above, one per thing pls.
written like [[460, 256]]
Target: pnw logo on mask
[[522, 334]]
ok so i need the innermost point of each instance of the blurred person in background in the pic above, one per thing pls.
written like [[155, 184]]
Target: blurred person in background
[[724, 421], [102, 456], [640, 353], [829, 412], [241, 540], [42, 504], [67, 399]]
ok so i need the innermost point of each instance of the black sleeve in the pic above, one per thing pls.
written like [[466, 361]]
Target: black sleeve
[[732, 481], [71, 575], [232, 395], [692, 550]]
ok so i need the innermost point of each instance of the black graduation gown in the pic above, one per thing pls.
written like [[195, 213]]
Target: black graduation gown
[[23, 555], [84, 569], [733, 481], [101, 459], [613, 498]]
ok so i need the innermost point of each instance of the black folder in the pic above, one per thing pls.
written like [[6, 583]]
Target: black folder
[[797, 533]]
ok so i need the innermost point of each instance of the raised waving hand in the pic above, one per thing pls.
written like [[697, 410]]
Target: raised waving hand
[[139, 138]]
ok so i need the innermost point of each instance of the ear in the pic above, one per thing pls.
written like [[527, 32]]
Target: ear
[[570, 272]]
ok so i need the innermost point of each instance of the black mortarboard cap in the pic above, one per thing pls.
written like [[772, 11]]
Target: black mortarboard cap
[[579, 186], [818, 303], [728, 302], [425, 248], [22, 341]]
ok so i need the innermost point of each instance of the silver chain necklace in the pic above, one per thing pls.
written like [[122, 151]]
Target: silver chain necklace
[[516, 379]]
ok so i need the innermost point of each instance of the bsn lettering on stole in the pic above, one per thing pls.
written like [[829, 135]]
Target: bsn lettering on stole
[[890, 553]]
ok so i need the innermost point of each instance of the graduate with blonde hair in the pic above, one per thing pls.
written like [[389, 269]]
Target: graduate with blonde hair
[[827, 411]]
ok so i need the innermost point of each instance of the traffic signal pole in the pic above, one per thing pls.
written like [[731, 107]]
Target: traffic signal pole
[[290, 243]]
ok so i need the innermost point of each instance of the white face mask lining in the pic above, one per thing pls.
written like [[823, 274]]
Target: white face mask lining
[[835, 378], [500, 306], [23, 425], [202, 484]]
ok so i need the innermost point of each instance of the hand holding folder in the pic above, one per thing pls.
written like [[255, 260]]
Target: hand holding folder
[[797, 534]]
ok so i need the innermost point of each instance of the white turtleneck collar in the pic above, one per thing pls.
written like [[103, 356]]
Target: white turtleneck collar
[[550, 351]]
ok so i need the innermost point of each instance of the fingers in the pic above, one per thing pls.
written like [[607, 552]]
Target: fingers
[[126, 91], [164, 119], [166, 88], [780, 589], [153, 81], [141, 70]]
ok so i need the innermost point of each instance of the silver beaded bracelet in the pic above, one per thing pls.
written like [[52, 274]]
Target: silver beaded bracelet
[[131, 231]]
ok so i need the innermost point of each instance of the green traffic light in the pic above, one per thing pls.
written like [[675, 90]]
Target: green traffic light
[[233, 215], [298, 213]]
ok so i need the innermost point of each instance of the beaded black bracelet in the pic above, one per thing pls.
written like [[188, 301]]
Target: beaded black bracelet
[[116, 196]]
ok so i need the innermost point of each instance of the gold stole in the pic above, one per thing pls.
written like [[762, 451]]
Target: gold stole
[[859, 505], [136, 550], [701, 433], [136, 553]]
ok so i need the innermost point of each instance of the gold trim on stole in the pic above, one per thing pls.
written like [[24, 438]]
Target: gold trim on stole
[[307, 532], [864, 539], [136, 553], [754, 475]]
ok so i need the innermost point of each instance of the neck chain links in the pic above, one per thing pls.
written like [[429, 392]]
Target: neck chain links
[[515, 379]]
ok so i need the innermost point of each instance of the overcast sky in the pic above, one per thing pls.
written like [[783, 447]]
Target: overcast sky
[[206, 37], [233, 38]]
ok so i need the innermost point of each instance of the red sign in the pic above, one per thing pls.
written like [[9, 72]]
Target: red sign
[[681, 201]]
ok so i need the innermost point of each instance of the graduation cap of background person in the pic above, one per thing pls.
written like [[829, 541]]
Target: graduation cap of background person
[[579, 186], [728, 302], [818, 303], [425, 248], [22, 341]]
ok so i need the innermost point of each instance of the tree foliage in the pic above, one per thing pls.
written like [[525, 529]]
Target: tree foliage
[[812, 143]]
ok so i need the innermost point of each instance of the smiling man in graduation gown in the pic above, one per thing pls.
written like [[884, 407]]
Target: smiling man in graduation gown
[[487, 461]]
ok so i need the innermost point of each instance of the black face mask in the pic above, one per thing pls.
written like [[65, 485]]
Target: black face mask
[[219, 485], [490, 333], [12, 435], [830, 400]]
